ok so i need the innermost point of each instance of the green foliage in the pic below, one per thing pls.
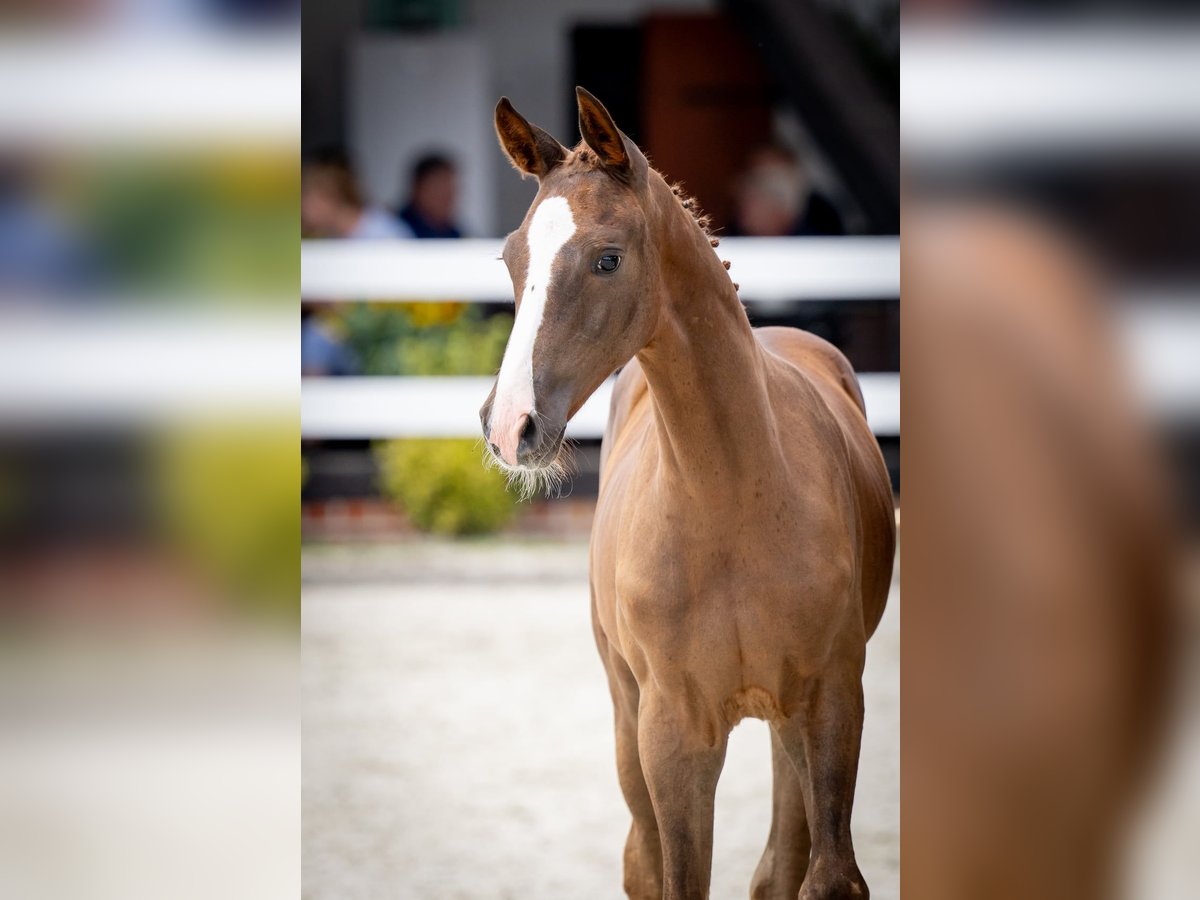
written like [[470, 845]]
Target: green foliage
[[227, 494], [424, 338], [444, 485], [212, 226]]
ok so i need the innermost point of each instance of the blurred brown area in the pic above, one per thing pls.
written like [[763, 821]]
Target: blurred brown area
[[1050, 636], [689, 103], [1040, 629]]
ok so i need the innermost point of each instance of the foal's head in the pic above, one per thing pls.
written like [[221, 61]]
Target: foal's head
[[585, 275]]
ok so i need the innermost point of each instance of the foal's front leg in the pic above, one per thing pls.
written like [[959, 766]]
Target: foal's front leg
[[682, 761], [643, 852], [827, 737]]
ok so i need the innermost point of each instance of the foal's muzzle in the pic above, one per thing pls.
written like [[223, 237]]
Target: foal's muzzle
[[531, 441]]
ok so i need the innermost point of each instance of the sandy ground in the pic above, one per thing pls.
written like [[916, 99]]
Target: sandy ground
[[457, 735]]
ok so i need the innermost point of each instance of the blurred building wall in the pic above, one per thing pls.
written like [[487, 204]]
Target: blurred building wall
[[535, 78], [327, 27], [525, 45], [413, 94], [691, 103]]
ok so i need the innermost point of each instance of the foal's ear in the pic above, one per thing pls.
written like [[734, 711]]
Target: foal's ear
[[532, 150], [616, 152]]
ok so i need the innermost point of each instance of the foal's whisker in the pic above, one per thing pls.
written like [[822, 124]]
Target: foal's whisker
[[528, 483], [569, 461]]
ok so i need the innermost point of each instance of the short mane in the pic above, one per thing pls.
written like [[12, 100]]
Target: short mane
[[583, 158]]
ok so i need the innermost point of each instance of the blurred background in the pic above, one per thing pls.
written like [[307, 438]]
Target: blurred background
[[148, 421], [152, 552], [1052, 404], [457, 725]]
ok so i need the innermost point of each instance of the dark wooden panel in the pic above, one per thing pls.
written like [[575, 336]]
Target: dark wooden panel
[[706, 103], [607, 60]]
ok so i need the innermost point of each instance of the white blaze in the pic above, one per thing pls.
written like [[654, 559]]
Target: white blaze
[[551, 227]]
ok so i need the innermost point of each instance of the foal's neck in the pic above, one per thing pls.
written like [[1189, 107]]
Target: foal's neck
[[705, 368]]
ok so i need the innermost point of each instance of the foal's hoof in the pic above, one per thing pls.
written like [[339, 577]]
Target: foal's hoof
[[834, 883], [841, 889]]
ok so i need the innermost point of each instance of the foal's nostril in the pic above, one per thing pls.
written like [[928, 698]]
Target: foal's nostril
[[529, 432], [528, 439]]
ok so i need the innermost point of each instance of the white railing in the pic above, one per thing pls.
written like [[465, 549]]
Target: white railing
[[768, 269], [775, 270], [381, 407]]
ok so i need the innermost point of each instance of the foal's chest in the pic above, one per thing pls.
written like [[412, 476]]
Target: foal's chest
[[675, 548]]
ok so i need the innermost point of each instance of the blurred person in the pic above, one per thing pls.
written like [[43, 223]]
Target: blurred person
[[774, 198], [40, 250], [322, 352], [332, 204], [432, 199]]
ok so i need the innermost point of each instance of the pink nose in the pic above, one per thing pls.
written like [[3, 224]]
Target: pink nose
[[505, 438]]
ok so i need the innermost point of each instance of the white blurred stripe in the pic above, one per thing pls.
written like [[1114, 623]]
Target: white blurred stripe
[[988, 91], [449, 407], [1161, 340], [99, 89], [881, 394], [141, 367], [766, 269], [379, 407]]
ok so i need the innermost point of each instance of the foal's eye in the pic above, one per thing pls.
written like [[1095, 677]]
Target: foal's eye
[[608, 263]]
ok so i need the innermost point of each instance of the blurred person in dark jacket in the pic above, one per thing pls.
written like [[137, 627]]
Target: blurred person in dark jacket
[[775, 198], [431, 208]]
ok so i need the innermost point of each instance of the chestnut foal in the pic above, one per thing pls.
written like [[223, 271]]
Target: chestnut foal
[[744, 534]]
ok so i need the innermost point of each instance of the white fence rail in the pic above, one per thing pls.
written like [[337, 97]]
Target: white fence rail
[[449, 407], [772, 270], [768, 269]]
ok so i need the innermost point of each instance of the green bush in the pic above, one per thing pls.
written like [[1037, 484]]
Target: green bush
[[444, 485], [424, 338]]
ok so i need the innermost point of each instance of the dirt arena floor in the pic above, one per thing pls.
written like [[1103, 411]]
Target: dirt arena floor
[[457, 734]]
